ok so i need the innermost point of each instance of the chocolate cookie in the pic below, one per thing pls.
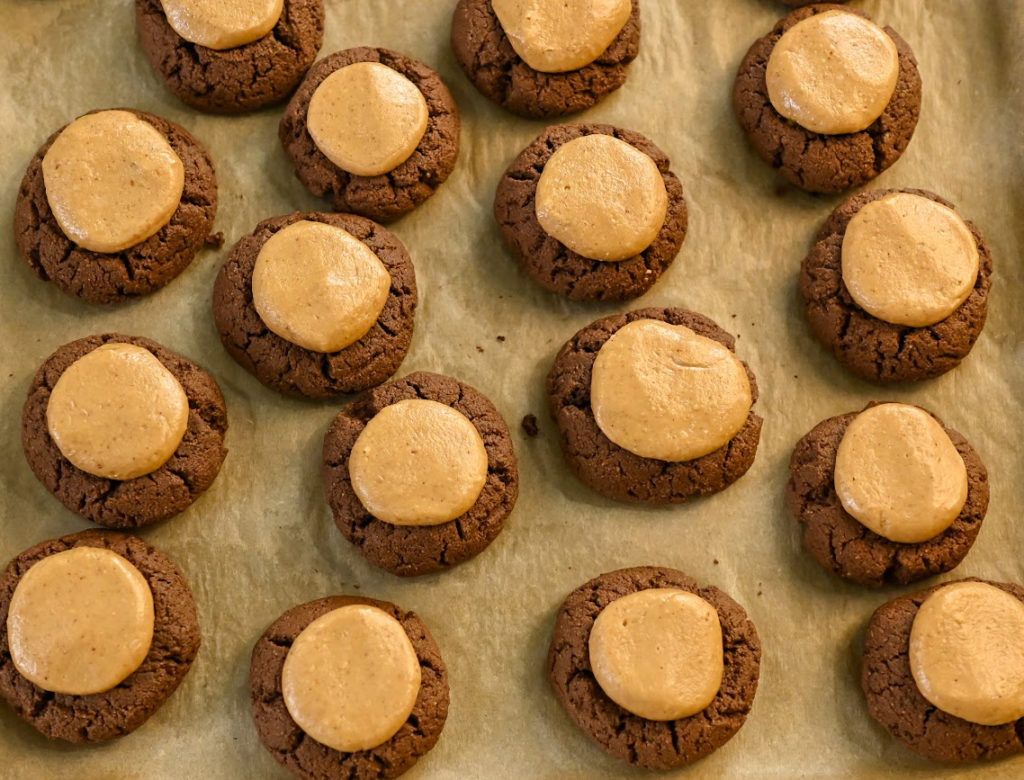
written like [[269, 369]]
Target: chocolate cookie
[[485, 53], [894, 700], [139, 270], [243, 78], [114, 713], [143, 500], [872, 348], [814, 161], [648, 743], [389, 196], [551, 263], [796, 3], [614, 471], [411, 550], [290, 368], [306, 757], [844, 546]]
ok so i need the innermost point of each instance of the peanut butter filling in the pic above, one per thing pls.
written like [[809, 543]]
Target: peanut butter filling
[[319, 286], [367, 118], [117, 412], [899, 474], [602, 198], [662, 391], [833, 73], [112, 180], [222, 24], [80, 621]]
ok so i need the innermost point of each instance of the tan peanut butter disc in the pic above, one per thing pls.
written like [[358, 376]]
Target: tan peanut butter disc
[[967, 652], [909, 260], [899, 474], [222, 24], [833, 73], [319, 286], [351, 678], [112, 180], [658, 653], [117, 412], [418, 462], [662, 391], [367, 118], [555, 36], [601, 197], [80, 621]]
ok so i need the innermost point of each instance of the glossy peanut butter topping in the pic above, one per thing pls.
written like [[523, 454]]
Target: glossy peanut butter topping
[[658, 653], [351, 678], [662, 391], [112, 180], [117, 412], [899, 474], [602, 198], [222, 24], [80, 621]]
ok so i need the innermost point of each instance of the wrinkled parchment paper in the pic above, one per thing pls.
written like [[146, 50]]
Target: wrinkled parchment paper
[[261, 540]]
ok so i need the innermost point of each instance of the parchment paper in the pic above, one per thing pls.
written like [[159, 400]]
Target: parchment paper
[[261, 540]]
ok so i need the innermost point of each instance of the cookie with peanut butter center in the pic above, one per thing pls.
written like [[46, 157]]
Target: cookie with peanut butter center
[[98, 672], [665, 414], [115, 205], [896, 285], [592, 212], [656, 710], [420, 473], [373, 131], [955, 646], [546, 59], [122, 430], [902, 479], [360, 327], [294, 670], [230, 57], [828, 98]]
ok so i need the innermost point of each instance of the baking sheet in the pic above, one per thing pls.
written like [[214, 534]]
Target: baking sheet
[[261, 540]]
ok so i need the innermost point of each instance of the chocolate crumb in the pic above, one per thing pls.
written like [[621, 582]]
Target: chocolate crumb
[[530, 425]]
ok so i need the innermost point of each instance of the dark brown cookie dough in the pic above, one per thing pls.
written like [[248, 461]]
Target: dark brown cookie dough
[[139, 270], [123, 709], [551, 263], [647, 743], [244, 78], [814, 161], [389, 196], [872, 348], [306, 757], [293, 369], [146, 499], [895, 702], [837, 541], [411, 550], [614, 471], [485, 53]]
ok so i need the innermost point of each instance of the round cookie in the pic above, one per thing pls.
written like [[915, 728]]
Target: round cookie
[[844, 546], [147, 499], [894, 700], [388, 196], [648, 743], [306, 757], [814, 161], [410, 550], [290, 368], [485, 53], [113, 277], [612, 470], [551, 263], [243, 78], [797, 3], [868, 346], [121, 710]]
